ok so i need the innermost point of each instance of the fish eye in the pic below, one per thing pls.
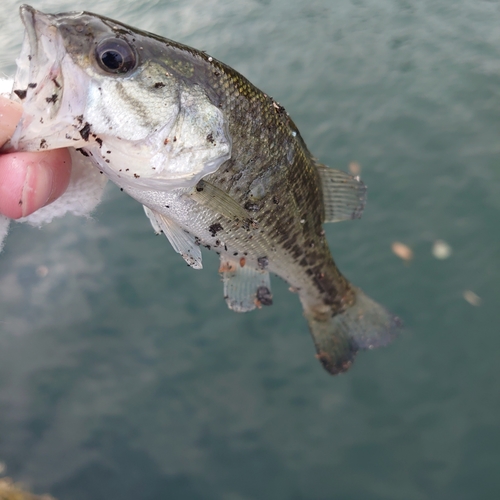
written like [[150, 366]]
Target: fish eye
[[115, 55]]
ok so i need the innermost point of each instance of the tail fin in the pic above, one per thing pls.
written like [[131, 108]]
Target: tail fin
[[364, 325]]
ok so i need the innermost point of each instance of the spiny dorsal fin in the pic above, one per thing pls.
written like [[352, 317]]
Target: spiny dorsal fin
[[182, 242], [217, 200], [245, 287], [344, 196]]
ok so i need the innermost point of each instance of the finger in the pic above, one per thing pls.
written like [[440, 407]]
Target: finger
[[10, 114], [29, 181]]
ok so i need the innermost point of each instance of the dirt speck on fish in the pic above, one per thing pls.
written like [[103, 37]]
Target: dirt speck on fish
[[214, 161]]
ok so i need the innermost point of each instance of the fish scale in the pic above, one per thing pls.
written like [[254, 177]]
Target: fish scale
[[215, 161]]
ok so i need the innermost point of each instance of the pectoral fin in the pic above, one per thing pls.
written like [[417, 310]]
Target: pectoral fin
[[217, 200], [344, 196], [182, 242], [245, 288]]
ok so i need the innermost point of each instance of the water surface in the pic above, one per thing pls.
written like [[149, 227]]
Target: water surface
[[123, 374]]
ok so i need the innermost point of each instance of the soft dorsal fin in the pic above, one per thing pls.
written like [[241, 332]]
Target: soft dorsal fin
[[182, 242], [245, 287], [344, 196], [217, 200]]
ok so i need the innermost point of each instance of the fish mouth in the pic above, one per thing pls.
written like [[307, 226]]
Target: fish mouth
[[36, 24], [38, 60], [39, 84]]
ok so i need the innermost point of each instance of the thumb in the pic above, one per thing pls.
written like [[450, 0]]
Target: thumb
[[10, 114], [29, 181]]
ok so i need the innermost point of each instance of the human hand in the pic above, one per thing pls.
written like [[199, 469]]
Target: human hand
[[28, 181]]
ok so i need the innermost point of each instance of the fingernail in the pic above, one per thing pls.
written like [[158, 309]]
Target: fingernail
[[37, 188]]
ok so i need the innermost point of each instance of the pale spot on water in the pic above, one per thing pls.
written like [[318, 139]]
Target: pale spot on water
[[42, 271], [354, 168], [441, 250], [403, 251], [472, 298]]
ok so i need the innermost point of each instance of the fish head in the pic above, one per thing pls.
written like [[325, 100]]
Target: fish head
[[130, 100]]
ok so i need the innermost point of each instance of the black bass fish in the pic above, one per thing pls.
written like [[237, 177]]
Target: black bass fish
[[214, 161]]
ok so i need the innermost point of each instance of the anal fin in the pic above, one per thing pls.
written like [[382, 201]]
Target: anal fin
[[344, 196], [182, 242], [245, 287]]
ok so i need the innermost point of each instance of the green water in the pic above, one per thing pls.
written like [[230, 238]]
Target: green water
[[123, 374]]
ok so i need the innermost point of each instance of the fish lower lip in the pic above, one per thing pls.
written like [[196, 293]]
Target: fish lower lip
[[36, 23], [39, 81], [27, 13], [28, 17]]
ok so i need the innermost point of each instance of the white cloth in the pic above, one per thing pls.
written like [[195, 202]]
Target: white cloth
[[84, 192]]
